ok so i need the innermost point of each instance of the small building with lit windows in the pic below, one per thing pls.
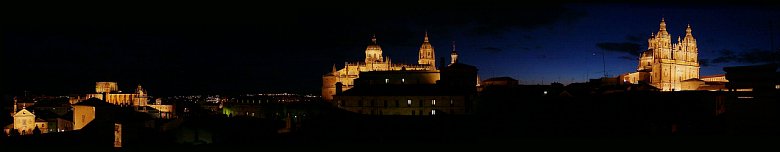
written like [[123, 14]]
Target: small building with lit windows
[[413, 100]]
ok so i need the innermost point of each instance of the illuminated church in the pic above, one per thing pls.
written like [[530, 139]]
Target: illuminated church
[[375, 61], [109, 92], [666, 65], [379, 87]]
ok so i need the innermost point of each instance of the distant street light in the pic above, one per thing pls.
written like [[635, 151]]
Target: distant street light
[[603, 61]]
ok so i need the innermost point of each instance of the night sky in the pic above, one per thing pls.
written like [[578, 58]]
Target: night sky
[[252, 50]]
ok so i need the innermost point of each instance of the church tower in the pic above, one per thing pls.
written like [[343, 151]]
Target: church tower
[[670, 63], [661, 44], [140, 90], [374, 52], [454, 54], [688, 46], [427, 56], [141, 97]]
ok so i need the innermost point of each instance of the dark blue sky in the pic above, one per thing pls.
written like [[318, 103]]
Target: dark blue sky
[[239, 50], [566, 51]]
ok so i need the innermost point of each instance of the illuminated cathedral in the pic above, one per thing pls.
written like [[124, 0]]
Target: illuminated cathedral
[[666, 65], [109, 92], [375, 61]]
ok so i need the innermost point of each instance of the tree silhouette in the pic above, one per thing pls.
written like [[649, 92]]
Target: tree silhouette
[[36, 131], [3, 135], [14, 132]]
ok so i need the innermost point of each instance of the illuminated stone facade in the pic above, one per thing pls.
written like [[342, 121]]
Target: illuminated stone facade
[[108, 91], [666, 65], [374, 61], [715, 78], [106, 87], [24, 122], [82, 115], [448, 91]]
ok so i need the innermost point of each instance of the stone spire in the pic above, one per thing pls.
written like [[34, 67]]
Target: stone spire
[[426, 36], [688, 30], [663, 25], [662, 29], [454, 54], [689, 43], [14, 112]]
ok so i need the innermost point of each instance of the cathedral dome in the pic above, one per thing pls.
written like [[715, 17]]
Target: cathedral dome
[[427, 55], [374, 52], [426, 45], [373, 47]]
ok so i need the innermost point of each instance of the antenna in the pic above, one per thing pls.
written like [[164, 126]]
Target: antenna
[[771, 36], [604, 62], [772, 42], [587, 76]]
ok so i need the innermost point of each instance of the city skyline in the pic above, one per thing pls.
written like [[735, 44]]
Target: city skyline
[[447, 76], [257, 52]]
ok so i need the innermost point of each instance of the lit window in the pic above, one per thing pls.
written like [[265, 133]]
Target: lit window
[[403, 80], [409, 102], [433, 112], [433, 102], [387, 80]]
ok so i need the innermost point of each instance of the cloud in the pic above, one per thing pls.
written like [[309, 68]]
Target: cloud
[[725, 56], [630, 58], [758, 56], [491, 49], [704, 62], [633, 49], [747, 56], [633, 38]]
